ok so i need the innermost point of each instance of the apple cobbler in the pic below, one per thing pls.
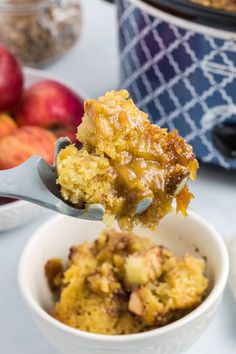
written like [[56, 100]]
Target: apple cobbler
[[125, 159], [122, 283]]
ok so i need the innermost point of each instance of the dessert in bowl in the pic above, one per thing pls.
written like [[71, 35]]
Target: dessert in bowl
[[122, 283], [191, 235]]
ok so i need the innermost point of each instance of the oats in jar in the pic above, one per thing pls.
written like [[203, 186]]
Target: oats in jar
[[38, 31]]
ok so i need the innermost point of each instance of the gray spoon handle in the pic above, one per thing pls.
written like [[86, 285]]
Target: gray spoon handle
[[23, 182]]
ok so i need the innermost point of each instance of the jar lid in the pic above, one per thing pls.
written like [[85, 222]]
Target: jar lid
[[197, 13]]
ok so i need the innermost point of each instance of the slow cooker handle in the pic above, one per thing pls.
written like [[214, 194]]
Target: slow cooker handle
[[224, 139]]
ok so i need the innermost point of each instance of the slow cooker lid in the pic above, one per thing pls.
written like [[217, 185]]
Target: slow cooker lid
[[198, 13]]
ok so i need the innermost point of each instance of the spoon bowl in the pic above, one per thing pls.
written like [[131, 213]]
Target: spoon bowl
[[35, 181]]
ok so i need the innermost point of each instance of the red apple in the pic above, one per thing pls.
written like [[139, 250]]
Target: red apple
[[50, 104], [25, 142], [7, 125], [11, 80]]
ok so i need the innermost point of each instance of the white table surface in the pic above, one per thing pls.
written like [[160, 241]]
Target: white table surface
[[93, 66]]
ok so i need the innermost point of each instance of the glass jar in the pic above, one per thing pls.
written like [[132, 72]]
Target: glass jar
[[38, 31]]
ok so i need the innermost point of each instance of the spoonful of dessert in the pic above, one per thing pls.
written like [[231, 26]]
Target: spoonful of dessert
[[127, 168]]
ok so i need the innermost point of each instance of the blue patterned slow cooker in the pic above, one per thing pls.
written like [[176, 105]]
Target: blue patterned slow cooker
[[183, 74]]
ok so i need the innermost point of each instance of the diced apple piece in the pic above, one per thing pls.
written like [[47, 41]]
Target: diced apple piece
[[136, 271], [141, 268], [135, 304]]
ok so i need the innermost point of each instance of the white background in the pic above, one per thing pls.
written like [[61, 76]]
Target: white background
[[93, 65]]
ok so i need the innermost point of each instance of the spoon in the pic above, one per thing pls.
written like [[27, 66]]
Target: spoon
[[35, 181]]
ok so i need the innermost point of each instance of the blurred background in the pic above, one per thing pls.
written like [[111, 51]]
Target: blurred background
[[179, 64]]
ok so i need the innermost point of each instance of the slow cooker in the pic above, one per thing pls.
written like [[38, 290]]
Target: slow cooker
[[178, 61]]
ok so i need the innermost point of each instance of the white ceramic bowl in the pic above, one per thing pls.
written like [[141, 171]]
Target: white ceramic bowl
[[15, 214], [18, 213], [54, 239]]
